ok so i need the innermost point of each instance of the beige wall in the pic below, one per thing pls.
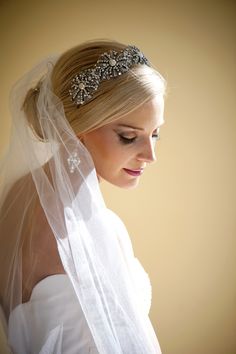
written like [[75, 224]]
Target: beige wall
[[182, 217]]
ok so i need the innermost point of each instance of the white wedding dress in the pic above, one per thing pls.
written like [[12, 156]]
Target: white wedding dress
[[52, 321]]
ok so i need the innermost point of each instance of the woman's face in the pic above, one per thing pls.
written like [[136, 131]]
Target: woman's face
[[122, 149]]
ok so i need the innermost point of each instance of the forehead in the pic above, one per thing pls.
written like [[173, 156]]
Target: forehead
[[148, 116]]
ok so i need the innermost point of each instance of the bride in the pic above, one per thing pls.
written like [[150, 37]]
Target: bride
[[69, 281]]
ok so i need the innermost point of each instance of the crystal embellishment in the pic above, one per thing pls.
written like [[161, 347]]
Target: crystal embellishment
[[73, 161], [109, 65], [112, 62], [83, 86]]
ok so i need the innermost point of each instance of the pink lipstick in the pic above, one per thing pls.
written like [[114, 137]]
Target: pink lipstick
[[134, 173]]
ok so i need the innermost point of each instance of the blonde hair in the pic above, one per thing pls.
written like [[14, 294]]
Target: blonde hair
[[113, 99]]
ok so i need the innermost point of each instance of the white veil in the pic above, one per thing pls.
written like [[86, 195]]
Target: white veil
[[87, 237]]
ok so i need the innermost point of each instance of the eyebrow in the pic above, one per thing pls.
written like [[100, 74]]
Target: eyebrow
[[133, 127], [129, 126]]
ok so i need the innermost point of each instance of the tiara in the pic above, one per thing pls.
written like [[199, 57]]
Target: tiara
[[109, 65]]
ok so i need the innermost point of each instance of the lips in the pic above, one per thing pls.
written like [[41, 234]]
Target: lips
[[134, 173]]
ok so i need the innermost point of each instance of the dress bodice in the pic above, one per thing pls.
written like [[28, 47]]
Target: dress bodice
[[51, 322]]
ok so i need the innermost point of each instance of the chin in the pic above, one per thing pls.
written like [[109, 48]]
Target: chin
[[125, 184], [119, 181], [130, 185]]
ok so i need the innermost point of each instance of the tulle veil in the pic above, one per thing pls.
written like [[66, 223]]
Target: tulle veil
[[38, 188]]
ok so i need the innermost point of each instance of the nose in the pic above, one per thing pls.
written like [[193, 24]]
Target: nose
[[147, 153]]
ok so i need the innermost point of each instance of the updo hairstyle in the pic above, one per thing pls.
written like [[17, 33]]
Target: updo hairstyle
[[114, 98]]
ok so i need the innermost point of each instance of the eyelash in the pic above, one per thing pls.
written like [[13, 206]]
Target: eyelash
[[156, 136], [125, 140]]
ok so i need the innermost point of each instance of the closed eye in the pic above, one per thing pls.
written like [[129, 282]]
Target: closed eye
[[126, 140]]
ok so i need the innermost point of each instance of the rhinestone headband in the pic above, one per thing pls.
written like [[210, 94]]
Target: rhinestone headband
[[109, 65]]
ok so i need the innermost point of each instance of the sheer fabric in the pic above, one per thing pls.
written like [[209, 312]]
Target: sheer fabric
[[55, 222]]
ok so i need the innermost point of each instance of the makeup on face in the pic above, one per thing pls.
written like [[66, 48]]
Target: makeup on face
[[135, 173], [122, 149], [129, 134]]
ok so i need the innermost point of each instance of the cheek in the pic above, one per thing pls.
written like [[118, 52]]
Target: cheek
[[101, 147], [107, 152]]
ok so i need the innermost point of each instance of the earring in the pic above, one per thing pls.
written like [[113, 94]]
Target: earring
[[73, 161]]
